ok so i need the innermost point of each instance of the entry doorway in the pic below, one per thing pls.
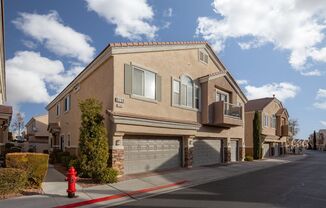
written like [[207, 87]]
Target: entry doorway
[[62, 142]]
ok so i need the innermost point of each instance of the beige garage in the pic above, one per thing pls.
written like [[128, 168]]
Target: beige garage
[[206, 151], [148, 153]]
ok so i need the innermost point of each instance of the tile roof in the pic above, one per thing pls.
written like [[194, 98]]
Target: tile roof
[[258, 104], [126, 44], [5, 109]]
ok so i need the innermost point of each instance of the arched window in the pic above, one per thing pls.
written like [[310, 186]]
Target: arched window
[[187, 91]]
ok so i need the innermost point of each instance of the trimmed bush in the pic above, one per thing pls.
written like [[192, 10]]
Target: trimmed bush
[[35, 165], [9, 145], [12, 180], [108, 175], [248, 158]]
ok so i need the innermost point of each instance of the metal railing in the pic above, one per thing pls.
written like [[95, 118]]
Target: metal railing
[[232, 110]]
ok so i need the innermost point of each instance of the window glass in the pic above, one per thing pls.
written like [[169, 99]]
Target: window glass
[[58, 109], [197, 97], [137, 82], [67, 103], [189, 96], [149, 85], [176, 92], [183, 94]]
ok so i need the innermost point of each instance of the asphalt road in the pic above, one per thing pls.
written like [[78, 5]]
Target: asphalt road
[[298, 184]]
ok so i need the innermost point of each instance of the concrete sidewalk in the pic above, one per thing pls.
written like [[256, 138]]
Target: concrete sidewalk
[[106, 195]]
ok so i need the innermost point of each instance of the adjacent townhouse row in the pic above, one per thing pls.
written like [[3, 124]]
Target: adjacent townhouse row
[[166, 105], [320, 140], [36, 133]]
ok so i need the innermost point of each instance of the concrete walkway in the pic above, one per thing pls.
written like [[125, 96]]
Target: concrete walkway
[[55, 187]]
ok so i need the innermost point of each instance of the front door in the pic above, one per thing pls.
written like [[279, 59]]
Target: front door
[[62, 142]]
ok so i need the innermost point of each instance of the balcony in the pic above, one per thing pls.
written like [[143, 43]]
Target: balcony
[[286, 130], [226, 115]]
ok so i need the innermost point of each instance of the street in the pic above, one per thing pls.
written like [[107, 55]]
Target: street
[[298, 184]]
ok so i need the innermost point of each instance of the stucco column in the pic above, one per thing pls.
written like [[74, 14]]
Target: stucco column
[[188, 146], [116, 151], [242, 149], [227, 150]]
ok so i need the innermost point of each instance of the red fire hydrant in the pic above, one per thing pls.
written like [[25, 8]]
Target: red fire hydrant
[[72, 179]]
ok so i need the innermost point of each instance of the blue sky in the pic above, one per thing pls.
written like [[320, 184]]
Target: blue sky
[[270, 48]]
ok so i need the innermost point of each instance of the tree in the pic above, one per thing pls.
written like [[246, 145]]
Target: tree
[[294, 125], [314, 141], [18, 124], [94, 152], [257, 136]]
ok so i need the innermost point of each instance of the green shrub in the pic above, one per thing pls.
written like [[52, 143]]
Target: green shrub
[[108, 175], [93, 145], [65, 160], [9, 145], [76, 164], [12, 180], [57, 156], [35, 165], [248, 158], [14, 149]]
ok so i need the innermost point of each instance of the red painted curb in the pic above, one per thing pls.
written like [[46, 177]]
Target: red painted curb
[[117, 196]]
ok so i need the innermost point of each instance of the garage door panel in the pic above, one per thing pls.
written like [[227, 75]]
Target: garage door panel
[[266, 150], [234, 150], [145, 153], [206, 152]]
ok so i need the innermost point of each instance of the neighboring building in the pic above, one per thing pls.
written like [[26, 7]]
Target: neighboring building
[[274, 123], [37, 134], [320, 139], [166, 105], [5, 111]]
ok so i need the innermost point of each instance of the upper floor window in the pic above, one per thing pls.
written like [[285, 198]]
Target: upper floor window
[[222, 96], [58, 109], [266, 120], [67, 103], [273, 121], [185, 93], [68, 140], [203, 57], [141, 82]]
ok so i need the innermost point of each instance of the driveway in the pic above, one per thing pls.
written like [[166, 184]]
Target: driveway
[[297, 184]]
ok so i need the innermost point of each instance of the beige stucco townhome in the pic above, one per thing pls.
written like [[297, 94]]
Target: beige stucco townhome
[[275, 126], [37, 134], [5, 111], [166, 105]]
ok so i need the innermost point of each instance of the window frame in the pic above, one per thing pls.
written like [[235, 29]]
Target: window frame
[[143, 83], [221, 92], [205, 57], [266, 120], [194, 87], [67, 103], [273, 121], [58, 109]]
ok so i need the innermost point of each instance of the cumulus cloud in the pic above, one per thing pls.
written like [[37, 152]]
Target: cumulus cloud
[[30, 76], [132, 18], [321, 99], [323, 123], [29, 44], [282, 91], [242, 82], [58, 38], [293, 25], [313, 73]]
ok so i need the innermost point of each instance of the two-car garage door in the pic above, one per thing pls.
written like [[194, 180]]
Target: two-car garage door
[[146, 153]]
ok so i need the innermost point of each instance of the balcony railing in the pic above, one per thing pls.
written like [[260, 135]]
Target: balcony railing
[[232, 110], [225, 115]]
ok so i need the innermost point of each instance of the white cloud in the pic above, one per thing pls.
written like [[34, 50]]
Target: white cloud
[[320, 105], [294, 25], [323, 123], [132, 18], [29, 44], [242, 82], [321, 93], [58, 38], [168, 12], [282, 91], [166, 25], [321, 97], [29, 74], [315, 73]]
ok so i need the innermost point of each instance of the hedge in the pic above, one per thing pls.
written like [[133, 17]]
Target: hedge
[[12, 180], [35, 165]]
